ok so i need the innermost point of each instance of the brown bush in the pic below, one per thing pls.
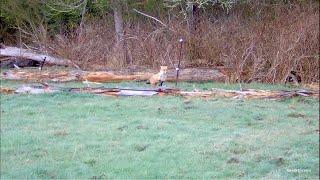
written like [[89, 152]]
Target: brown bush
[[257, 44]]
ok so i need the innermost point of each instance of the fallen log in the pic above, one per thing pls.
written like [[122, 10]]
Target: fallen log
[[252, 94], [196, 75], [29, 54], [39, 76], [66, 76], [45, 88], [110, 77], [6, 90], [214, 93], [191, 75], [25, 89]]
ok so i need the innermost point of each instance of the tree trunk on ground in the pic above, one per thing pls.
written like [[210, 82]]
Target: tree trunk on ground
[[191, 75], [28, 54]]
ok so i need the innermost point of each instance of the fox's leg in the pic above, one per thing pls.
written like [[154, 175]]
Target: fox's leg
[[161, 83], [153, 85]]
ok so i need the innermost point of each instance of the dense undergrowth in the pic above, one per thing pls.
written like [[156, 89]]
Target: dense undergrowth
[[257, 41]]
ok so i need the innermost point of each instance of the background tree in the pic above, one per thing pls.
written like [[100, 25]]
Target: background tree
[[191, 10], [117, 7]]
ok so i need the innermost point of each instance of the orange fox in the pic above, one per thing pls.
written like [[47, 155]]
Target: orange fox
[[160, 77]]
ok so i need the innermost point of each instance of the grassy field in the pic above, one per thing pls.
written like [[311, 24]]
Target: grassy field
[[84, 136]]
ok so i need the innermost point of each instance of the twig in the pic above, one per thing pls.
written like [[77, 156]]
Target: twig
[[163, 24], [42, 63], [150, 17]]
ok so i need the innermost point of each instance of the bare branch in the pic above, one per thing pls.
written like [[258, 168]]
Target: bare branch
[[163, 24]]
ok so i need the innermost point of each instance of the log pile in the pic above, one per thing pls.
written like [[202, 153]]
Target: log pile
[[214, 93]]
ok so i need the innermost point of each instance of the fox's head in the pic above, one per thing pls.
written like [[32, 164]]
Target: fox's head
[[163, 69]]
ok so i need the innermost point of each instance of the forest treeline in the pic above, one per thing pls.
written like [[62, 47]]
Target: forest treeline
[[256, 40]]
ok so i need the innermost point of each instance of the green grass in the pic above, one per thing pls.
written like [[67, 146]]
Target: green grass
[[84, 136]]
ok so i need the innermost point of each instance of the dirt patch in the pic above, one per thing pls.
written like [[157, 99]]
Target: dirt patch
[[121, 128], [60, 133], [233, 160], [140, 147], [90, 162], [142, 127], [296, 115]]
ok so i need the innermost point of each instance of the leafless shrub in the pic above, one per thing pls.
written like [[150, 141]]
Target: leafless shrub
[[262, 48]]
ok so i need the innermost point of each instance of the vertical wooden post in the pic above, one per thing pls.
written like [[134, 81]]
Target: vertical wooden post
[[178, 68]]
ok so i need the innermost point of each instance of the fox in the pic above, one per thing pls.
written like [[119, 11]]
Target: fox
[[159, 78]]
